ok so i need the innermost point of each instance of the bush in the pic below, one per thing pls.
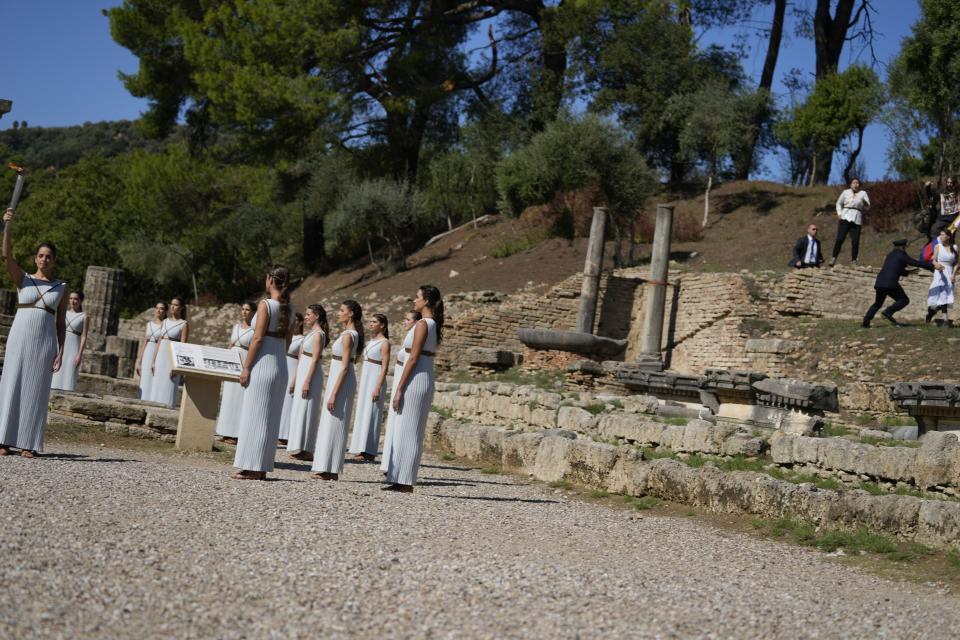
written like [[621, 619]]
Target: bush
[[686, 228], [889, 201], [570, 155]]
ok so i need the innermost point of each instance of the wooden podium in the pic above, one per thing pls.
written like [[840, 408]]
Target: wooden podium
[[203, 369]]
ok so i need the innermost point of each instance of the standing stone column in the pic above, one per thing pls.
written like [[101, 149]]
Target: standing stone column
[[591, 272], [102, 304], [655, 296]]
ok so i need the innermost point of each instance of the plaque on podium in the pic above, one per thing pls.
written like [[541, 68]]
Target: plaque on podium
[[203, 369]]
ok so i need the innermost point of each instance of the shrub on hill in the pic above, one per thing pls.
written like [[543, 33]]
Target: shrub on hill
[[891, 203]]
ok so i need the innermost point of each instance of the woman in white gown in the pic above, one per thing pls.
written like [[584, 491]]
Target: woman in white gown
[[409, 319], [293, 352], [307, 386], [148, 347], [231, 399], [372, 391], [175, 329], [940, 295], [74, 342], [264, 380], [341, 387], [414, 394], [34, 348]]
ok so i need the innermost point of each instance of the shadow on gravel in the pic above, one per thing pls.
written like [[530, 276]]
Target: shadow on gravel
[[446, 483], [433, 466], [79, 457], [292, 466], [492, 499], [471, 481]]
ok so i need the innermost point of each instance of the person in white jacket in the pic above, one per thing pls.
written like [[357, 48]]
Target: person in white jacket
[[850, 207]]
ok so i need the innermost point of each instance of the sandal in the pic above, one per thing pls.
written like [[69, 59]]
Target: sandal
[[399, 488], [306, 456], [229, 441], [4, 451], [26, 453], [325, 475], [249, 475]]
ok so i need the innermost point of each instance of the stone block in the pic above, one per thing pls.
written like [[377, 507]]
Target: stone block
[[575, 419], [126, 368], [97, 409], [122, 347], [771, 345], [632, 428], [800, 394], [99, 363], [640, 404]]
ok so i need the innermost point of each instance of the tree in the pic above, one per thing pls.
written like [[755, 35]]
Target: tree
[[714, 123], [840, 107], [923, 77]]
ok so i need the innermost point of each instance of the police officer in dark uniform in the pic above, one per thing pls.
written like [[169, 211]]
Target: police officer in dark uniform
[[888, 283]]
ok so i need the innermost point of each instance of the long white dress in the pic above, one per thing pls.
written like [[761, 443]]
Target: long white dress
[[263, 397], [941, 286], [293, 352], [66, 378], [231, 398], [332, 434], [391, 414], [366, 422], [164, 388], [152, 334], [305, 412], [28, 364], [411, 424]]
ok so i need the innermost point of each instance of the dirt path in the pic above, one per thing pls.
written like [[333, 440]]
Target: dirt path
[[117, 542]]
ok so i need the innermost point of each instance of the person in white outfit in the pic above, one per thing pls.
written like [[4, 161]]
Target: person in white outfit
[[850, 207], [341, 388], [175, 329], [293, 352], [264, 380], [34, 348], [73, 345], [409, 319], [373, 390], [231, 398], [940, 295], [148, 347], [414, 394], [308, 380]]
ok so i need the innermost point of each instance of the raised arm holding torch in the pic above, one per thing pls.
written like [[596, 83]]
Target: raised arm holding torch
[[17, 190]]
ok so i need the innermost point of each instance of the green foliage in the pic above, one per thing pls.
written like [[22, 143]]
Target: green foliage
[[560, 484], [511, 245], [40, 148], [572, 154], [490, 470], [379, 210], [595, 409], [841, 105], [164, 218], [645, 503], [599, 493], [831, 430]]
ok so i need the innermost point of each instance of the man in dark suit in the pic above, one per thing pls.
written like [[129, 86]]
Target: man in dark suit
[[888, 283], [806, 251]]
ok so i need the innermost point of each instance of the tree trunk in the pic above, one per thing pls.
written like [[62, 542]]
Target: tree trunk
[[853, 157], [744, 160], [706, 201]]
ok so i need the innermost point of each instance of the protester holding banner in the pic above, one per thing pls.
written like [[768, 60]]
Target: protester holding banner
[[850, 207], [34, 347], [264, 379], [74, 342]]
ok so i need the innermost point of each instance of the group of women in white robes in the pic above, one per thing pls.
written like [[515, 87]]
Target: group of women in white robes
[[155, 357]]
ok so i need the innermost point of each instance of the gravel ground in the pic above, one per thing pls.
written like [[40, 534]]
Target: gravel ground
[[101, 542]]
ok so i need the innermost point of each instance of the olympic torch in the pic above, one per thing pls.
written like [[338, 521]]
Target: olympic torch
[[17, 188]]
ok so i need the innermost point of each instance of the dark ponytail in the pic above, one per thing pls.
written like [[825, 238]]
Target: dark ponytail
[[183, 307], [357, 312], [298, 321], [322, 323], [281, 280], [80, 296], [435, 303], [382, 319]]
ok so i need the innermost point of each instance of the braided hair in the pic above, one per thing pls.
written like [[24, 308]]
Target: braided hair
[[322, 323], [357, 312], [280, 276], [382, 319], [435, 303]]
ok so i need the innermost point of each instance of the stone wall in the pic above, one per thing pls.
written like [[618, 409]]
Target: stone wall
[[118, 415], [552, 456]]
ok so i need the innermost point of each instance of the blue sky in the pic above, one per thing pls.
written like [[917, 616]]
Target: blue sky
[[61, 64]]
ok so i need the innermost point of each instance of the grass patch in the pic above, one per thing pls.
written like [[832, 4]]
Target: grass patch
[[899, 421], [646, 502], [599, 493], [595, 409], [649, 453], [442, 411], [549, 380], [831, 430], [448, 457], [804, 478], [516, 244], [680, 422], [889, 442], [852, 542], [616, 404], [560, 484], [490, 470]]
